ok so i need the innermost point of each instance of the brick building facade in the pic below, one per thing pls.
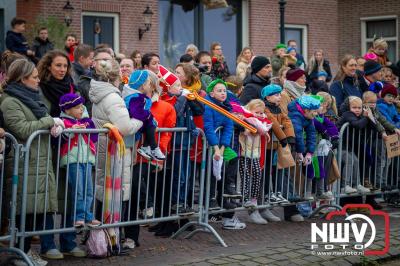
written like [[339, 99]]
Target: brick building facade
[[336, 26]]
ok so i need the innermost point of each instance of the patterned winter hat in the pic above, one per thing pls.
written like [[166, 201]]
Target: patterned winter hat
[[70, 100], [308, 102], [138, 78], [270, 89]]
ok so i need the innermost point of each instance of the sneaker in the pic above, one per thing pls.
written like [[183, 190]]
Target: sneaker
[[329, 193], [256, 218], [272, 198], [53, 254], [145, 152], [281, 198], [76, 252], [230, 192], [94, 223], [128, 244], [269, 216], [157, 154], [233, 224], [34, 257], [325, 196], [362, 190], [308, 196], [296, 218], [213, 205], [250, 204], [349, 190], [79, 224]]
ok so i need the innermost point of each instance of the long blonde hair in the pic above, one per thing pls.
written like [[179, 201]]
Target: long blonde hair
[[240, 57], [313, 63], [330, 100]]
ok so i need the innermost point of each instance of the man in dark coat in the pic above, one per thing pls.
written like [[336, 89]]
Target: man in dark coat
[[15, 41], [259, 78], [41, 44]]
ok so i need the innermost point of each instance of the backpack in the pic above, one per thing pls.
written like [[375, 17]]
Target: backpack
[[102, 243]]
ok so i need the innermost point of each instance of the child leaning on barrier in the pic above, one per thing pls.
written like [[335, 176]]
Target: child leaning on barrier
[[78, 155], [220, 141], [352, 147], [378, 123], [249, 167], [386, 105], [328, 138]]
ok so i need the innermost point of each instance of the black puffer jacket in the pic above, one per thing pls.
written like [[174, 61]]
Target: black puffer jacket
[[253, 86], [41, 47]]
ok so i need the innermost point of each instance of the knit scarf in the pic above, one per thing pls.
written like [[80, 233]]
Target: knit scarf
[[195, 87], [28, 97], [114, 170], [53, 89], [294, 89]]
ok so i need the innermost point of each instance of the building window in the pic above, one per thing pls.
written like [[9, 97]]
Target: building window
[[299, 34], [376, 27], [185, 22]]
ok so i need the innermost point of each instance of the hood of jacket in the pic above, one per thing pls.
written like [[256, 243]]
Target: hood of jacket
[[345, 106], [253, 78], [100, 89]]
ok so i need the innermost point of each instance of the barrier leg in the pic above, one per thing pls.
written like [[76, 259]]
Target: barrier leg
[[20, 253]]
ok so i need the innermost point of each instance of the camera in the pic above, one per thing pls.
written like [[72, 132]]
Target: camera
[[201, 68]]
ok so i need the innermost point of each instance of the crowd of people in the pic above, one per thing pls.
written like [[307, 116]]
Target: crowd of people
[[294, 104]]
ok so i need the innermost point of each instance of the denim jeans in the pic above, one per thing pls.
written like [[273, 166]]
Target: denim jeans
[[81, 187], [181, 177]]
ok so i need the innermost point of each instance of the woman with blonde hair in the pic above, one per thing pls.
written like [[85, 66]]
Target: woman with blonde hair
[[316, 65], [243, 62]]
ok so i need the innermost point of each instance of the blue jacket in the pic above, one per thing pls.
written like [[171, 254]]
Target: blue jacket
[[214, 120], [304, 143], [16, 42], [389, 111], [343, 89]]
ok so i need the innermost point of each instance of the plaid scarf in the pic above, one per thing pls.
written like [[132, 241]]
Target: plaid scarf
[[114, 169]]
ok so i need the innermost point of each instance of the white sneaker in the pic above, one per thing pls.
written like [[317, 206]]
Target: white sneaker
[[53, 254], [233, 224], [269, 216], [297, 218], [326, 196], [34, 257], [157, 154], [349, 190], [309, 196], [145, 152], [361, 189], [281, 198], [250, 204], [128, 243], [256, 218]]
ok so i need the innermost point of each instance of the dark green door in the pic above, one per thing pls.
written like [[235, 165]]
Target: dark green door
[[98, 30]]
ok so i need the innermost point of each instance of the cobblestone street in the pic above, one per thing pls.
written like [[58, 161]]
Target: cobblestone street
[[282, 243]]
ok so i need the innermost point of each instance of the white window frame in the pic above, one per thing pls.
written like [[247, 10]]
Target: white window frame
[[108, 15], [364, 38], [304, 40]]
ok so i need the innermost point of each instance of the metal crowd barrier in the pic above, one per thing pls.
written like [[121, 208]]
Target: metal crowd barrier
[[362, 160]]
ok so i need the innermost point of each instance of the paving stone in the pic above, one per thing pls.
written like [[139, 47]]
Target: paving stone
[[249, 263], [329, 263], [312, 258], [394, 251], [239, 257], [218, 261], [263, 260], [353, 259], [342, 262], [255, 254], [293, 254], [270, 252], [202, 264], [299, 262], [282, 249], [278, 257]]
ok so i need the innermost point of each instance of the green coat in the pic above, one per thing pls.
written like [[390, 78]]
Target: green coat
[[21, 123]]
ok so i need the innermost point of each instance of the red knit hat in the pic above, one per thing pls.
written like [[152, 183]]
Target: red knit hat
[[388, 89], [294, 74], [167, 78]]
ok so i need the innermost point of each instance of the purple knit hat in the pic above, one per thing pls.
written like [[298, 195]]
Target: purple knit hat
[[70, 100]]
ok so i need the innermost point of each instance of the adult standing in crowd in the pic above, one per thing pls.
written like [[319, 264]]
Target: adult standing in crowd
[[203, 62], [299, 57], [83, 56], [151, 61], [136, 57], [192, 50], [219, 68], [257, 80], [71, 41], [55, 79], [345, 83], [42, 44], [243, 62], [277, 59], [371, 77], [126, 67], [316, 65], [293, 88], [24, 113]]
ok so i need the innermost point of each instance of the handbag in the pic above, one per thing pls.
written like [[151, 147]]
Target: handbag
[[285, 158]]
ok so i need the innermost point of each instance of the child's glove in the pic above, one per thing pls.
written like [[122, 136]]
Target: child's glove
[[185, 92], [299, 157], [307, 159], [58, 122], [56, 131], [283, 142]]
